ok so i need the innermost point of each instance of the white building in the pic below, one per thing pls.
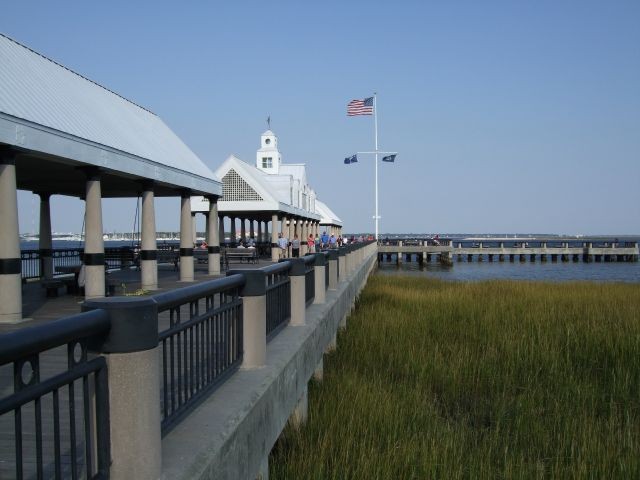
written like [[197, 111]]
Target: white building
[[269, 191]]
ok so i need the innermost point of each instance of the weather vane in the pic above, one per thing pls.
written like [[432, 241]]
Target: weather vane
[[269, 122]]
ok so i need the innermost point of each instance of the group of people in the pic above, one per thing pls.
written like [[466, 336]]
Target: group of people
[[314, 244]]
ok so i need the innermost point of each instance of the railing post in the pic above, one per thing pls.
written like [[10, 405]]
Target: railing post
[[133, 365], [333, 269], [298, 289], [318, 270], [342, 263], [254, 318]]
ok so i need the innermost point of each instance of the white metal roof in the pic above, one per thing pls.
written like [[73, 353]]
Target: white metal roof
[[296, 170], [328, 217], [274, 190], [35, 91]]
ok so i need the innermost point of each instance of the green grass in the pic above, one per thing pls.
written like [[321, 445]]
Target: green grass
[[496, 379]]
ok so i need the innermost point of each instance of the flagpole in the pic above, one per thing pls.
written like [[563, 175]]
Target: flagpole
[[375, 121]]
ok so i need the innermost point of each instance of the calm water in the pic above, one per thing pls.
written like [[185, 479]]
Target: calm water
[[474, 271]]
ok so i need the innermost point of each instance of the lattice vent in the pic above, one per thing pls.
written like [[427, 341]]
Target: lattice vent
[[235, 189]]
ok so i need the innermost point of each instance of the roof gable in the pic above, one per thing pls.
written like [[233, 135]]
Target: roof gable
[[40, 91]]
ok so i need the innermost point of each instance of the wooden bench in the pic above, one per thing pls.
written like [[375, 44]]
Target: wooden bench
[[248, 254]]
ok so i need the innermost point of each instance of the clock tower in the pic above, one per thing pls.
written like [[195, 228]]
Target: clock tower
[[268, 156]]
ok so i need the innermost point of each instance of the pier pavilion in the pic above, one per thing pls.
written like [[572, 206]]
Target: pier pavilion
[[273, 196], [330, 221], [63, 134]]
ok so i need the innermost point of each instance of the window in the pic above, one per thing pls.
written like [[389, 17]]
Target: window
[[267, 162]]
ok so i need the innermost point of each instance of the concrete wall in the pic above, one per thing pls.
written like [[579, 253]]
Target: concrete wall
[[230, 435]]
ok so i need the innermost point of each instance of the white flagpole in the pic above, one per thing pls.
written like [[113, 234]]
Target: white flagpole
[[375, 121]]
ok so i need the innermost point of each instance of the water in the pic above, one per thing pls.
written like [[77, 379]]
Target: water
[[475, 271], [472, 271]]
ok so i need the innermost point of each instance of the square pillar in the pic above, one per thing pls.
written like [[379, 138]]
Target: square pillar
[[254, 318], [298, 303], [320, 265]]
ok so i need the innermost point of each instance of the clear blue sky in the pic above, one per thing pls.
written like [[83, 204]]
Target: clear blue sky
[[508, 116]]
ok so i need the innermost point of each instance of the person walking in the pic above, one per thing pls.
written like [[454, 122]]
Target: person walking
[[283, 244], [332, 241], [324, 240], [311, 244], [295, 246]]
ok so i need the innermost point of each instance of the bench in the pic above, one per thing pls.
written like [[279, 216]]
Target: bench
[[71, 282], [249, 254], [52, 287]]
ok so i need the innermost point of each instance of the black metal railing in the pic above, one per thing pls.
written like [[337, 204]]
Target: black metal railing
[[278, 297], [201, 345], [120, 257], [66, 257], [71, 439], [30, 263], [309, 279]]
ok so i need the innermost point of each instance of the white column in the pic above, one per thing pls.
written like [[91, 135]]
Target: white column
[[232, 235], [213, 240], [274, 237], [303, 238], [292, 231], [252, 232], [44, 237], [186, 237], [148, 247], [10, 263], [94, 286]]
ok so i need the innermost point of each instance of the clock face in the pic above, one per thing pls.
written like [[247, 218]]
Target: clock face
[[267, 141]]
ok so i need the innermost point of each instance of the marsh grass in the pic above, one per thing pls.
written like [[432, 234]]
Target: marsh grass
[[497, 379]]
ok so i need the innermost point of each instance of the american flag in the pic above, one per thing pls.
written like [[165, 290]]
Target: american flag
[[360, 107]]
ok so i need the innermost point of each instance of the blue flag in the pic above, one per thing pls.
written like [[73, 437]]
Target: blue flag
[[389, 158], [351, 159]]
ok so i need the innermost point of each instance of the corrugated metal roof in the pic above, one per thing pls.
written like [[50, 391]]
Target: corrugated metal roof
[[36, 89]]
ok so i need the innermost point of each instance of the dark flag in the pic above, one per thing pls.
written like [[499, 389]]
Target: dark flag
[[389, 158], [351, 159]]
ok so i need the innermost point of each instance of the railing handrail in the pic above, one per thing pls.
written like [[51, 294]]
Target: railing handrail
[[31, 340], [279, 267], [183, 295]]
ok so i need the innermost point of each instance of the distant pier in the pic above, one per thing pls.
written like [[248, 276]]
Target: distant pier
[[527, 250]]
